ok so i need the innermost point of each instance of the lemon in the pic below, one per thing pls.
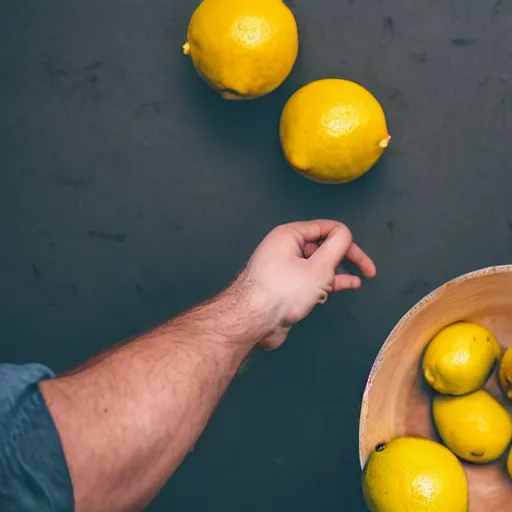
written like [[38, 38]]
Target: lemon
[[333, 131], [475, 427], [460, 358], [411, 474], [509, 464], [243, 48], [505, 373]]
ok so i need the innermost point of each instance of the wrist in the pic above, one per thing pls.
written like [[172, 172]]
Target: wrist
[[246, 306]]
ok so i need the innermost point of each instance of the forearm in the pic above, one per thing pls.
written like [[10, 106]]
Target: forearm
[[127, 420]]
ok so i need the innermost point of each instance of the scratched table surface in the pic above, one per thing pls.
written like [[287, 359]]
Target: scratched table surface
[[131, 191]]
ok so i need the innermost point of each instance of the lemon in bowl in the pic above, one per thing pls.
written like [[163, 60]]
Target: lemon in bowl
[[413, 474], [505, 373], [475, 427], [460, 358]]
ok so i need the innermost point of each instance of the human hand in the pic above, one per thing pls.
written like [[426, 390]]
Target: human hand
[[294, 268]]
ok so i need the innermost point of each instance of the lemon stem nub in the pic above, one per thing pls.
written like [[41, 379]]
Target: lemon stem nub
[[384, 143], [186, 48]]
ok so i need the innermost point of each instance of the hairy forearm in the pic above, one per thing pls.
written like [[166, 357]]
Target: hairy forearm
[[127, 419]]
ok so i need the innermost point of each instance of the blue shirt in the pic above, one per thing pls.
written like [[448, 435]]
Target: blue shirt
[[34, 476]]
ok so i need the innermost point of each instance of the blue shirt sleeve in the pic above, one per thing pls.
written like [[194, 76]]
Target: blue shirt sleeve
[[34, 476]]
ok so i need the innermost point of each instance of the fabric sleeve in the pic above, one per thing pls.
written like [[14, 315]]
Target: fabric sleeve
[[34, 476]]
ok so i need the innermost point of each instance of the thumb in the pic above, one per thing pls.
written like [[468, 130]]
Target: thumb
[[333, 249]]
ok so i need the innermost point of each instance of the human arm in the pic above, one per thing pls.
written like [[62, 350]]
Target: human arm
[[127, 419]]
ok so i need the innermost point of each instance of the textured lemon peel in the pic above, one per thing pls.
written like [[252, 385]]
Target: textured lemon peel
[[244, 49]]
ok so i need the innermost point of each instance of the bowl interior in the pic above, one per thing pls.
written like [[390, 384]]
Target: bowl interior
[[397, 401]]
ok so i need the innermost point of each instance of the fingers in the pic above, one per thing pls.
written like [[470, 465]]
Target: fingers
[[336, 244], [322, 298], [314, 230], [345, 282], [309, 249], [357, 256], [333, 248]]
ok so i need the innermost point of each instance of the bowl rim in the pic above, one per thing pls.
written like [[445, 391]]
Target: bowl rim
[[411, 313]]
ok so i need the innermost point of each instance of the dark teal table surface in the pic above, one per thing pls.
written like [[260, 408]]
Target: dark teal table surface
[[130, 191]]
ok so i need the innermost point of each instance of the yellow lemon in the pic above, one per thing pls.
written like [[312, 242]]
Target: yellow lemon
[[505, 373], [243, 48], [411, 474], [333, 131], [509, 464], [475, 427], [460, 358]]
